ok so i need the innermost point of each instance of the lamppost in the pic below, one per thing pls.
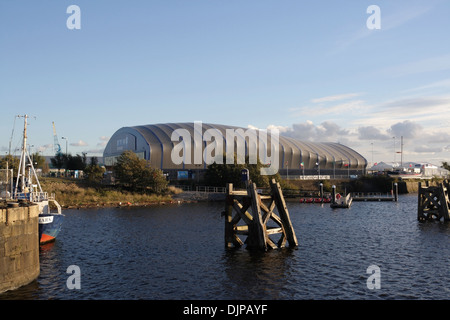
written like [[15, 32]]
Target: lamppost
[[372, 154], [66, 144], [287, 171]]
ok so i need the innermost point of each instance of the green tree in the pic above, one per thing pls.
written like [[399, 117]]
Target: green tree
[[76, 162], [220, 175], [446, 165], [136, 174], [59, 161], [69, 162], [13, 163], [39, 162], [93, 173]]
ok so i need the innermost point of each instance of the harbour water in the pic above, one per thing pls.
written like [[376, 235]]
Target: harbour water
[[177, 252]]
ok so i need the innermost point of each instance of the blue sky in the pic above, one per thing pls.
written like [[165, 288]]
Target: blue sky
[[312, 69]]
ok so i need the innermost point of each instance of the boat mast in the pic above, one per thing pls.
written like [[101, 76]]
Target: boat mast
[[22, 164]]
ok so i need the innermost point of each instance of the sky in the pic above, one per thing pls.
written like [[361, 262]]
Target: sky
[[312, 69]]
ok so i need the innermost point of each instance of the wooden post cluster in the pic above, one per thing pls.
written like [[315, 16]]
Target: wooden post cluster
[[250, 209], [433, 202]]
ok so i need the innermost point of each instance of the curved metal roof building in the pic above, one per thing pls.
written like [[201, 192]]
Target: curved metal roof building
[[163, 145]]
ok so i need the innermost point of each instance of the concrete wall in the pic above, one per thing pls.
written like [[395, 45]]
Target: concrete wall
[[19, 246]]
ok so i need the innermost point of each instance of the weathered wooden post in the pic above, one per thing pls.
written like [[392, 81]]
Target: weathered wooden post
[[255, 227], [433, 202], [284, 214], [445, 189], [444, 202], [230, 237], [419, 203], [321, 191]]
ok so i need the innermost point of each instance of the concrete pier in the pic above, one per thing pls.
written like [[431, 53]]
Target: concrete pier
[[19, 246]]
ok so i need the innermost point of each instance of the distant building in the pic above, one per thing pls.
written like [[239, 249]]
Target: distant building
[[414, 169], [295, 158]]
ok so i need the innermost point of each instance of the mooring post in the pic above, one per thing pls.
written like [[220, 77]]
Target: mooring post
[[396, 192], [256, 229], [333, 194], [229, 234], [443, 197], [284, 213], [433, 202], [419, 202], [321, 191]]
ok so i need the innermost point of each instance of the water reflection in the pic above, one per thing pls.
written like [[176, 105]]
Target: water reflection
[[177, 252], [256, 274]]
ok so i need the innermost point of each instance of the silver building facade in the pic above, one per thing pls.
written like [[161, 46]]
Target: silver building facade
[[156, 142]]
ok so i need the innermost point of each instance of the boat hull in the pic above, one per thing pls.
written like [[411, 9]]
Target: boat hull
[[49, 226]]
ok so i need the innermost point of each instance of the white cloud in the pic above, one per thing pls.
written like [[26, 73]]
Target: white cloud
[[426, 110], [372, 133], [428, 149], [407, 129], [80, 143], [104, 141], [332, 107], [44, 148], [281, 129], [327, 131], [335, 97], [442, 84]]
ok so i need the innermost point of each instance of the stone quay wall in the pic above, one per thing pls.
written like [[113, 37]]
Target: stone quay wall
[[19, 246]]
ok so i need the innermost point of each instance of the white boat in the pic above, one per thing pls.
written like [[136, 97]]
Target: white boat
[[28, 189]]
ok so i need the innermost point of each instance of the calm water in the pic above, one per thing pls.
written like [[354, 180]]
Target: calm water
[[177, 252]]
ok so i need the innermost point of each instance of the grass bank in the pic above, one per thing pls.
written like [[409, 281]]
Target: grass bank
[[75, 193]]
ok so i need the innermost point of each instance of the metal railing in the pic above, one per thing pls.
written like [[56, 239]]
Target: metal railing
[[34, 196], [202, 189], [210, 189]]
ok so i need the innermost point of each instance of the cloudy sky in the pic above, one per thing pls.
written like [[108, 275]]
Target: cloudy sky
[[314, 70]]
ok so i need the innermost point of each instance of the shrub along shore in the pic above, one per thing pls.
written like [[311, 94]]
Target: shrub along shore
[[74, 193]]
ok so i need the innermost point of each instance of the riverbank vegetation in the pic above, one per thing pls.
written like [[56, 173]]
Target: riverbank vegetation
[[71, 192], [136, 183]]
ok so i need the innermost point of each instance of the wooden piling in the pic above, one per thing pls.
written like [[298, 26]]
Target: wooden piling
[[249, 207], [433, 202], [284, 213], [256, 228]]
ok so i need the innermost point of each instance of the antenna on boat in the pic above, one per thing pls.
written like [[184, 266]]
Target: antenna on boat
[[12, 134]]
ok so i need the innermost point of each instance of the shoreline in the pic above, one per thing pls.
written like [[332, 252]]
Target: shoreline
[[73, 194], [126, 204]]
